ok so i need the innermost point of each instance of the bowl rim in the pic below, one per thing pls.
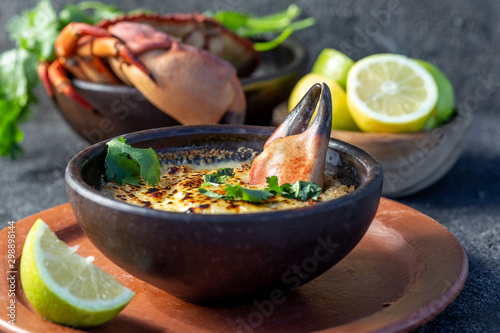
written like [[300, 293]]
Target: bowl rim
[[74, 180], [291, 43], [461, 119]]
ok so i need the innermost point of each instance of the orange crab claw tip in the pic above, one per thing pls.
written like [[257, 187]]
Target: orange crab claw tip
[[298, 119], [322, 123], [294, 151]]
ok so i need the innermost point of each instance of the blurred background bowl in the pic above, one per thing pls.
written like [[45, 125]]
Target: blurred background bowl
[[202, 258], [123, 109], [411, 161]]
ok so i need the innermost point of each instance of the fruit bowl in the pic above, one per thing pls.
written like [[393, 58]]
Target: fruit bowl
[[204, 258], [411, 161], [123, 109]]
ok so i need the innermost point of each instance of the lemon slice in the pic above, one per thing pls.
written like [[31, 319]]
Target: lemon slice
[[65, 287], [341, 118], [390, 93]]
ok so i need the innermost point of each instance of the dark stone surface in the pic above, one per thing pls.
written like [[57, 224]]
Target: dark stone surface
[[462, 37]]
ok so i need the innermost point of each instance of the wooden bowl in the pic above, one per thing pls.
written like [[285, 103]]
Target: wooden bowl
[[411, 161], [203, 258], [123, 109]]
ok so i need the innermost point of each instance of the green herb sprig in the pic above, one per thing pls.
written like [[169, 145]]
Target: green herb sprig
[[248, 25], [34, 32], [219, 177], [126, 164], [300, 190]]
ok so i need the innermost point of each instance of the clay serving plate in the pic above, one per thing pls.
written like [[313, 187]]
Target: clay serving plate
[[123, 109], [411, 161], [405, 270], [204, 258]]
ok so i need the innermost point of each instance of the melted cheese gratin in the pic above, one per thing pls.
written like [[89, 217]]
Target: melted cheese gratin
[[178, 192]]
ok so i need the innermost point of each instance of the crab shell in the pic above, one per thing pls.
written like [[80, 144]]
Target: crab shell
[[203, 33], [191, 85]]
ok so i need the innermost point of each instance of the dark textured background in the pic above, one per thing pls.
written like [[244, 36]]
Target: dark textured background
[[461, 37]]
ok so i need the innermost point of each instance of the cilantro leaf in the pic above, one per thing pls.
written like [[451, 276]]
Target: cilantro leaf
[[212, 179], [225, 172], [219, 177], [306, 190], [273, 185], [126, 164], [300, 190], [36, 30], [245, 194], [15, 97], [212, 194]]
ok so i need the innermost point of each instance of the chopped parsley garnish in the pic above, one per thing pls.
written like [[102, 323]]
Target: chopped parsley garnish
[[237, 192], [300, 190], [219, 177], [126, 164], [212, 194]]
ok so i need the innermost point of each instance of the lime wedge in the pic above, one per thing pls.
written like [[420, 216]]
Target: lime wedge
[[65, 287]]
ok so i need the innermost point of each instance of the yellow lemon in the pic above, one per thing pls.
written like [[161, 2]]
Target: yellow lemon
[[390, 93], [341, 119], [65, 287]]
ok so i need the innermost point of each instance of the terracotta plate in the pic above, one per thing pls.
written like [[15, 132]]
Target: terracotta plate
[[404, 271]]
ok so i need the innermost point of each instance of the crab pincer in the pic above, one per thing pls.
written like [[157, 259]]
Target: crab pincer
[[295, 151]]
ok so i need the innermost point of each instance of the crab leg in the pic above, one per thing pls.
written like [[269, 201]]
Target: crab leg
[[66, 43], [75, 39], [105, 47], [58, 76], [41, 70], [294, 151]]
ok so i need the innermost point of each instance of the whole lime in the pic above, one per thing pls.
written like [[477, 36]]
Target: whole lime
[[333, 64]]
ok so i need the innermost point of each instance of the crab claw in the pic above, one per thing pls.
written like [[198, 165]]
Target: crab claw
[[56, 74], [192, 86], [294, 151]]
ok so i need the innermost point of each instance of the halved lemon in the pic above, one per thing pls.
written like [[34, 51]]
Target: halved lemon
[[390, 93], [65, 287]]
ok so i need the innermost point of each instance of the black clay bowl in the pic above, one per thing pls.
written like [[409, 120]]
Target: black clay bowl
[[123, 109], [203, 258]]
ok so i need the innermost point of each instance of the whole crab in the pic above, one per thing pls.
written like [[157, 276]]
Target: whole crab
[[187, 65]]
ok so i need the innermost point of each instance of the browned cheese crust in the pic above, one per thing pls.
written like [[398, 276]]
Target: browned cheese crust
[[178, 192]]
